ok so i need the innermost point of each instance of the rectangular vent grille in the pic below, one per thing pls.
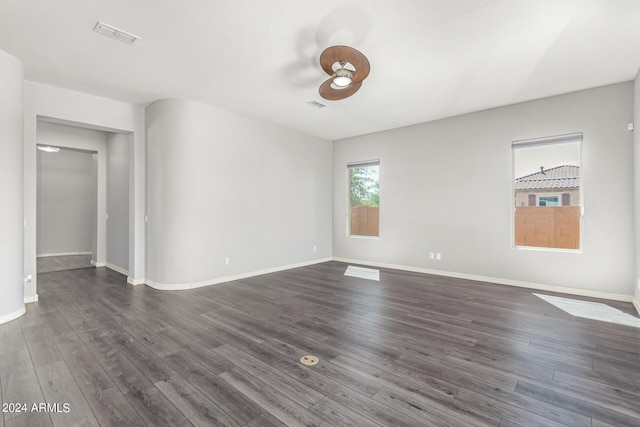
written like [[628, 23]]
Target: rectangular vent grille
[[115, 33], [316, 104]]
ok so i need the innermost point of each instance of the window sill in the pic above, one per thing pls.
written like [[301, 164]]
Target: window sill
[[540, 249]]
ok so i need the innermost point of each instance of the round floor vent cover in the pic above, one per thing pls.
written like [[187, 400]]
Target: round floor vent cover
[[309, 360]]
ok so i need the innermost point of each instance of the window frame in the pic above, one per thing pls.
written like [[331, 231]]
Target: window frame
[[577, 137], [352, 165]]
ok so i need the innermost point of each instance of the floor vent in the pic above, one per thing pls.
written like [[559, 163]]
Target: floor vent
[[309, 360]]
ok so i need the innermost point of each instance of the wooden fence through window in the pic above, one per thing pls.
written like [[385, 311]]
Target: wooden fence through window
[[548, 226], [365, 221]]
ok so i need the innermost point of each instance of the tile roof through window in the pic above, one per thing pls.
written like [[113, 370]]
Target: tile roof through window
[[565, 177]]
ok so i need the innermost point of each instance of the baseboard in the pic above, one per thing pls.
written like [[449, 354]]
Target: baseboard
[[636, 304], [33, 298], [185, 286], [98, 264], [12, 316], [63, 254], [116, 268], [508, 282], [135, 282]]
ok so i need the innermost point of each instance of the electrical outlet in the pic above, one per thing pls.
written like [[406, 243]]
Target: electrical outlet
[[638, 283], [315, 248], [438, 256], [226, 260], [431, 255]]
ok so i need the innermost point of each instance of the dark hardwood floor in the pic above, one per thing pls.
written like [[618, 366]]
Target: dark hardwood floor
[[48, 264], [410, 350]]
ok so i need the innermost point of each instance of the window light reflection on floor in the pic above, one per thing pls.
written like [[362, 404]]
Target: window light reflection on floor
[[591, 310], [363, 273]]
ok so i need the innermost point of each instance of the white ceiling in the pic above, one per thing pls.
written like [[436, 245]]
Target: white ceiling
[[430, 59]]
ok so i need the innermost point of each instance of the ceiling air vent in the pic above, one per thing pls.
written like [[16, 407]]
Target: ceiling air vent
[[316, 104], [115, 33]]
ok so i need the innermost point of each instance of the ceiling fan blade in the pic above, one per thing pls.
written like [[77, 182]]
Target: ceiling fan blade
[[334, 54], [327, 92]]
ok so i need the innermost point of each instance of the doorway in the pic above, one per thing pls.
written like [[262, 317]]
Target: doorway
[[82, 198], [66, 208]]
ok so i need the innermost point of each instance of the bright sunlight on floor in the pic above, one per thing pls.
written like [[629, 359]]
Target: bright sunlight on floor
[[592, 310]]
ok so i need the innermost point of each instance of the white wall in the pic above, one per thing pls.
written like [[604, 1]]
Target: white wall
[[222, 185], [66, 106], [65, 202], [12, 190], [636, 182], [95, 184], [118, 201], [445, 186], [88, 140]]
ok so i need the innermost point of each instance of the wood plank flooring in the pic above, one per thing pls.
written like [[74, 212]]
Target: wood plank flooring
[[48, 264], [409, 350]]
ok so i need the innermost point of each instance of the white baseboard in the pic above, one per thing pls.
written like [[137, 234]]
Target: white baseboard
[[636, 304], [62, 254], [135, 282], [98, 264], [33, 298], [185, 286], [508, 282], [12, 316], [116, 268]]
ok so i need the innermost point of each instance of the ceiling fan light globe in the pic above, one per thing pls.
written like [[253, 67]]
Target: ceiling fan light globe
[[342, 81]]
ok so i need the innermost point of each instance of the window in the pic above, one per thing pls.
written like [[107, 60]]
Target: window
[[548, 201], [364, 198], [547, 192]]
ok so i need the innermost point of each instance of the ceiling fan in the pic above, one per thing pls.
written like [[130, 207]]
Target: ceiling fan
[[347, 67]]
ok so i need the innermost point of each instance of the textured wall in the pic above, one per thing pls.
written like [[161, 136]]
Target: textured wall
[[66, 202], [457, 173], [11, 188], [118, 200], [223, 185], [636, 181]]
